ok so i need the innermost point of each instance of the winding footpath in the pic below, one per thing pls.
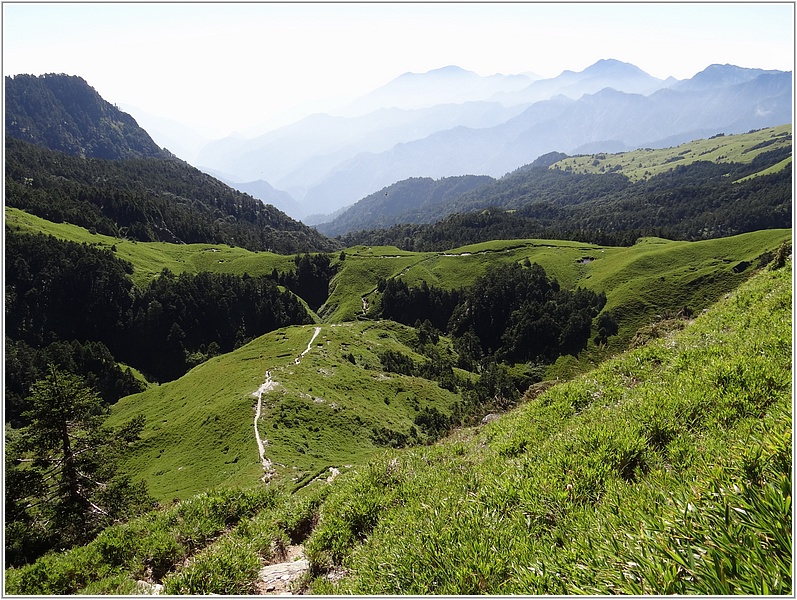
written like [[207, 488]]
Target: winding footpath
[[266, 386]]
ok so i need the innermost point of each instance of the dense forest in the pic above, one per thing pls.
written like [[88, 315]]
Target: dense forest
[[515, 314], [690, 202], [74, 305], [148, 199]]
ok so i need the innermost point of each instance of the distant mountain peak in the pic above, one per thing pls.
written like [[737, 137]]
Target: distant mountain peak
[[721, 75], [449, 71], [613, 66]]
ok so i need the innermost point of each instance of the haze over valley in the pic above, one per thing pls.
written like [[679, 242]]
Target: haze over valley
[[450, 121]]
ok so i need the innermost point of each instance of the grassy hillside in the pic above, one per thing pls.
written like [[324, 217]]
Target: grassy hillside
[[667, 470], [150, 258], [652, 277], [321, 413], [323, 410], [643, 164]]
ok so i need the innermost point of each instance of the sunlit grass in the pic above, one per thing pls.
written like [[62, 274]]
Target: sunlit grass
[[642, 164], [665, 470]]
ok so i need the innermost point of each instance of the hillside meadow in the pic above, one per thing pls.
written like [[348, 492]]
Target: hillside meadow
[[336, 407], [665, 470], [644, 163]]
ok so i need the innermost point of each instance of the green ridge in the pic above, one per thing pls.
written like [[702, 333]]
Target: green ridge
[[642, 164]]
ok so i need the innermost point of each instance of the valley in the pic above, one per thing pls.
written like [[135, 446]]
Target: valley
[[482, 384]]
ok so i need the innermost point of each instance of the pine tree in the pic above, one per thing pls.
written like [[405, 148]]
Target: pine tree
[[62, 485]]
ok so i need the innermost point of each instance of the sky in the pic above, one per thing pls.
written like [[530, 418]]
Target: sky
[[225, 67]]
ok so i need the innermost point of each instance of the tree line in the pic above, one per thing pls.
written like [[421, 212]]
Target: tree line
[[80, 298], [691, 202]]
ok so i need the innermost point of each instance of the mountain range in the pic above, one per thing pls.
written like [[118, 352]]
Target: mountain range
[[199, 389], [70, 156], [450, 122]]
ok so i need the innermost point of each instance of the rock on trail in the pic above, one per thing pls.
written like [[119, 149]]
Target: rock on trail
[[279, 578]]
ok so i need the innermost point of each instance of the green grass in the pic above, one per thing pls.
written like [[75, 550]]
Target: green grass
[[642, 164], [150, 258], [156, 545], [199, 429], [667, 470]]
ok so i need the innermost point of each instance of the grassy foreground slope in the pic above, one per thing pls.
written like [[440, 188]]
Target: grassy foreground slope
[[665, 470]]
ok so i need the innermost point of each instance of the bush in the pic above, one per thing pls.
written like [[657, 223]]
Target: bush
[[229, 567]]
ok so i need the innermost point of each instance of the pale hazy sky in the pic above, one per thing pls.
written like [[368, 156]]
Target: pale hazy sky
[[221, 67]]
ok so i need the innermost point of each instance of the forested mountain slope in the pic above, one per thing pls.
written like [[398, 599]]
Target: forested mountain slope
[[64, 113], [398, 202], [710, 188], [147, 199]]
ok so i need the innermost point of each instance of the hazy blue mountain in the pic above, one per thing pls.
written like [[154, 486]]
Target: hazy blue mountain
[[398, 203], [296, 156], [179, 139], [605, 121], [303, 155], [718, 76], [621, 76], [447, 85]]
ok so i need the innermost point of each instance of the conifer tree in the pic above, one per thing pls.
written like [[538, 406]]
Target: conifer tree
[[62, 485]]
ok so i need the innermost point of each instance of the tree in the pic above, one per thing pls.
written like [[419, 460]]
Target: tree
[[62, 485]]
